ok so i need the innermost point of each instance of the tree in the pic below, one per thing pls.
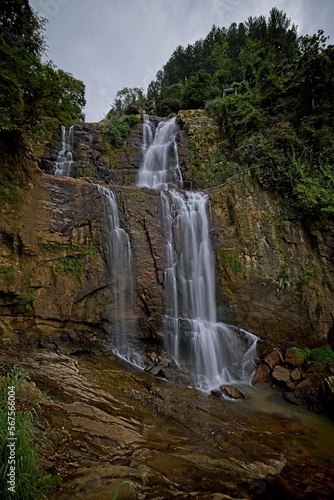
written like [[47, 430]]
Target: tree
[[198, 90], [31, 90], [59, 94], [170, 100], [125, 97], [21, 27]]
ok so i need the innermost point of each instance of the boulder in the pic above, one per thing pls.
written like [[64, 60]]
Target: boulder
[[158, 371], [304, 384], [295, 374], [291, 358], [232, 392], [273, 359], [216, 392], [281, 374], [262, 374]]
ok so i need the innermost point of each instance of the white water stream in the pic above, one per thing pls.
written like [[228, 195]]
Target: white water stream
[[119, 259], [159, 168], [215, 353], [64, 163]]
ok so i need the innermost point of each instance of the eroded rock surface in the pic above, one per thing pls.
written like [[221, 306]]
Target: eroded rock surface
[[271, 276], [110, 423], [56, 278]]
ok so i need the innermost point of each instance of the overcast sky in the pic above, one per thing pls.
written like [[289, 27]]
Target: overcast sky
[[111, 44]]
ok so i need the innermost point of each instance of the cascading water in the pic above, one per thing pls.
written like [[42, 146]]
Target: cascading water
[[119, 258], [64, 163], [214, 353], [159, 168], [147, 133]]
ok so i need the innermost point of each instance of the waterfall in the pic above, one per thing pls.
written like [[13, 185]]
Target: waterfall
[[159, 168], [147, 133], [63, 164], [119, 259], [214, 353]]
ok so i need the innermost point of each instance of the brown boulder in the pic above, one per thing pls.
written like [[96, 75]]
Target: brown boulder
[[291, 358], [295, 374], [273, 358], [281, 374], [262, 374], [233, 392]]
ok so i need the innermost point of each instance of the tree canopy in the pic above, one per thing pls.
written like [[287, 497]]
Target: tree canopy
[[280, 124], [30, 89]]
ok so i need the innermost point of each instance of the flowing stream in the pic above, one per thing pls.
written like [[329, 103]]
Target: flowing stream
[[214, 353], [64, 164]]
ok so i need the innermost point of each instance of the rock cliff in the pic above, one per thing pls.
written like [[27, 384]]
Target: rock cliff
[[54, 273], [273, 277]]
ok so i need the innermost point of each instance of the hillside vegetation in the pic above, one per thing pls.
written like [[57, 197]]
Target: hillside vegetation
[[32, 92], [271, 93]]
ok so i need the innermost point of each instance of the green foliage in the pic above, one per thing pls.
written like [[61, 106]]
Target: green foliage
[[47, 287], [131, 120], [231, 261], [30, 89], [198, 90], [125, 99], [309, 272], [30, 481], [238, 116], [59, 94], [10, 187], [26, 301], [118, 127], [302, 354], [321, 354], [170, 100], [71, 264], [8, 272]]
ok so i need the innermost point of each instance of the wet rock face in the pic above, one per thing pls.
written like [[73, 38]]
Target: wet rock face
[[56, 276], [94, 157], [272, 278], [326, 395]]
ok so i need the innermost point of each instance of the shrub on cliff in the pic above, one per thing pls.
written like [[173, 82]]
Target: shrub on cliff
[[118, 127], [321, 354]]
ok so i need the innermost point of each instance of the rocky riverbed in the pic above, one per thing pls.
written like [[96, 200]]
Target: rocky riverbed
[[110, 423]]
